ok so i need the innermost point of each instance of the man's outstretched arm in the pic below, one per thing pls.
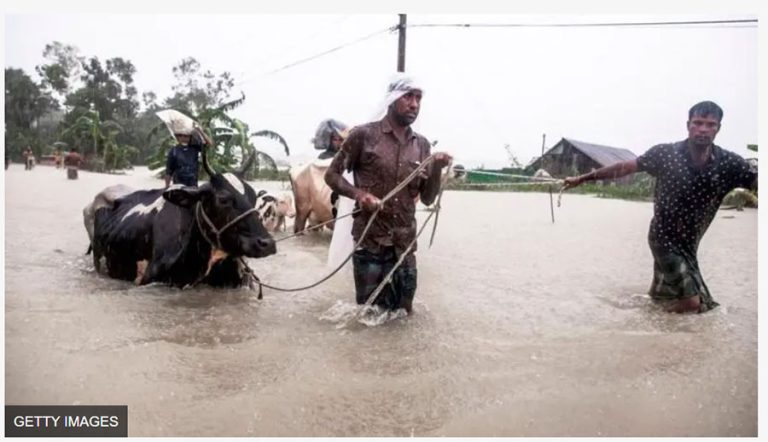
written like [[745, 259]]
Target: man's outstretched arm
[[611, 172]]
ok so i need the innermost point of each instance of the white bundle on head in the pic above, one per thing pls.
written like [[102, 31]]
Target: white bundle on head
[[399, 85], [176, 122], [181, 127]]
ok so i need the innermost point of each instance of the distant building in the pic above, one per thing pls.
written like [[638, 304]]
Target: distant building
[[570, 157]]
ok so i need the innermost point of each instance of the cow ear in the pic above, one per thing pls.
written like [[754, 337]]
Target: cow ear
[[186, 196]]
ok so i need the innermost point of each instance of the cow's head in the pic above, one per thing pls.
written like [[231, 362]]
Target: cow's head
[[224, 211], [266, 206]]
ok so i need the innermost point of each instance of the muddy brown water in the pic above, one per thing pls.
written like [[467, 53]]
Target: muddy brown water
[[521, 328]]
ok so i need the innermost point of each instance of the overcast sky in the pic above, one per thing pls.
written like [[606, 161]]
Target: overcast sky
[[628, 87]]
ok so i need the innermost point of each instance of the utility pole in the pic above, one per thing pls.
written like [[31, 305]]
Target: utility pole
[[401, 44], [551, 200]]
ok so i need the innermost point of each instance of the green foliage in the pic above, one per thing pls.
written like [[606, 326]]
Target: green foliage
[[274, 136], [107, 89], [26, 105], [65, 65], [740, 198], [102, 115], [232, 142], [752, 147], [195, 90], [100, 136], [120, 157]]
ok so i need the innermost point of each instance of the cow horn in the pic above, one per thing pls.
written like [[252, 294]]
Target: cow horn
[[246, 165], [207, 166]]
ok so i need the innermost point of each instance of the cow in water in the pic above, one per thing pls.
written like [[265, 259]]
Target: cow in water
[[312, 195], [273, 209], [182, 235]]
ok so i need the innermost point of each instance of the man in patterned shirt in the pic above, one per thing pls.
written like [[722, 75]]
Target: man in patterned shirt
[[692, 177], [381, 155]]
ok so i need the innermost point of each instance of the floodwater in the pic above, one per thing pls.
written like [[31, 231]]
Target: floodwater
[[521, 328]]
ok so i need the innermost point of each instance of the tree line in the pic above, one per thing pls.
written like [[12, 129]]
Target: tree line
[[94, 105]]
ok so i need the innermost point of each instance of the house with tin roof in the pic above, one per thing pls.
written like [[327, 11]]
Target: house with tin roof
[[571, 157]]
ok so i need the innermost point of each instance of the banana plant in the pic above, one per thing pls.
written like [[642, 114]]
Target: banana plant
[[101, 135], [86, 127], [229, 135]]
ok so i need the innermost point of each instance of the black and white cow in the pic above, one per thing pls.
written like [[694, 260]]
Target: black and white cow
[[182, 235]]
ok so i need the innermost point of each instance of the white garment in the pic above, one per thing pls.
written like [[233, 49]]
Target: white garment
[[342, 243]]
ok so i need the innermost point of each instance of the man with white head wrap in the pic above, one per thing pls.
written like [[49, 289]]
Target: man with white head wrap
[[381, 154]]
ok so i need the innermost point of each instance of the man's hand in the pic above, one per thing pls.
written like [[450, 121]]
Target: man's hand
[[442, 159], [572, 182], [203, 136], [368, 202]]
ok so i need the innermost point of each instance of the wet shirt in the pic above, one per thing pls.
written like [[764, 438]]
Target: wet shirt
[[379, 162], [687, 197], [181, 164]]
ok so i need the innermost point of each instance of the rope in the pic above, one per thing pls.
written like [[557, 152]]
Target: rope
[[540, 180], [200, 211], [217, 232], [317, 226], [384, 281], [389, 195], [372, 297], [511, 175], [508, 184], [298, 289]]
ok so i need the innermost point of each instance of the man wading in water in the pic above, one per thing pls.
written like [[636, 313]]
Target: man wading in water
[[692, 177], [381, 155]]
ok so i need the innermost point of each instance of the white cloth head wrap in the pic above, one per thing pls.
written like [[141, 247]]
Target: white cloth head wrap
[[399, 85]]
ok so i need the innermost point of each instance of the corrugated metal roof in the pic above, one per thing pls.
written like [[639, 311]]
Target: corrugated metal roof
[[603, 155]]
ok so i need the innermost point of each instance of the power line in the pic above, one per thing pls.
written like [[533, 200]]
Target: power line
[[326, 52], [283, 50], [581, 25], [304, 60], [723, 23]]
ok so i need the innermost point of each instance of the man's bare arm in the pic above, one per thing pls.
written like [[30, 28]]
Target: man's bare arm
[[432, 185], [613, 171]]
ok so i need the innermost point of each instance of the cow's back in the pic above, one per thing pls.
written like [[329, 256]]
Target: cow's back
[[123, 232], [105, 198], [311, 194]]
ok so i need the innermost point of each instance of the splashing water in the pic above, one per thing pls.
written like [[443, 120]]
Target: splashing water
[[344, 314]]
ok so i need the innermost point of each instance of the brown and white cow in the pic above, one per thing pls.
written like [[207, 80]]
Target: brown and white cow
[[311, 194]]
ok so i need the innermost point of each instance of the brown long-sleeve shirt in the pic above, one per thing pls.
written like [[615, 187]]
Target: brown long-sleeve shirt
[[380, 161]]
